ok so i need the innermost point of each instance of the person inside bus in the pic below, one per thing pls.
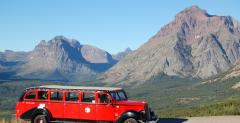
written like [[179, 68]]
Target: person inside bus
[[104, 98]]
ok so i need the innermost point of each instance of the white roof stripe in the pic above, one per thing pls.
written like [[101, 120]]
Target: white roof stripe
[[79, 87]]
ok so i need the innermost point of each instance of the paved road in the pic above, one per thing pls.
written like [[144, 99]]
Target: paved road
[[212, 119]]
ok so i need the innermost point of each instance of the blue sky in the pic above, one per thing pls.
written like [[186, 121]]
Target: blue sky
[[108, 24]]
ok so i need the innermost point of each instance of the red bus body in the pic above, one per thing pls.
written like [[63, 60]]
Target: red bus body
[[80, 104]]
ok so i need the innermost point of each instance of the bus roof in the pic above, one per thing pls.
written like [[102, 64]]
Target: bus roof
[[77, 88]]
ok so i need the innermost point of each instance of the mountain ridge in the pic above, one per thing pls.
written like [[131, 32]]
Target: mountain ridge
[[60, 58], [195, 44], [119, 56]]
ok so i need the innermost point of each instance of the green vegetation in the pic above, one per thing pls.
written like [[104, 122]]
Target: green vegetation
[[168, 96], [174, 97], [231, 107]]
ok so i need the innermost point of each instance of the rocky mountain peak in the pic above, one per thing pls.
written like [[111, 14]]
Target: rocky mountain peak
[[65, 59], [96, 55], [59, 45], [119, 56], [9, 55], [195, 44], [61, 40], [190, 22], [193, 12], [61, 59], [58, 42], [128, 50], [59, 49]]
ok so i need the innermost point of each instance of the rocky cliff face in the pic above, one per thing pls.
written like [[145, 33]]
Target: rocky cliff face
[[195, 44], [119, 56], [9, 62], [95, 55], [64, 59], [9, 55], [59, 59]]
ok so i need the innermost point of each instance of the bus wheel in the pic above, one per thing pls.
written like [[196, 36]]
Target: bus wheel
[[130, 120], [40, 119]]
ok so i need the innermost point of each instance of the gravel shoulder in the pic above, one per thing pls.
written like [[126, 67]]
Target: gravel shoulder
[[210, 119]]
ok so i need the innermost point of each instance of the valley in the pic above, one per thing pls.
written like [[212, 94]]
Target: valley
[[169, 97], [190, 68]]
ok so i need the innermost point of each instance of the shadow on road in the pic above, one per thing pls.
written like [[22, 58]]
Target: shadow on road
[[171, 120]]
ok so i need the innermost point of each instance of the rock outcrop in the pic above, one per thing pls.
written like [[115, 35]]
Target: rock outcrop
[[195, 44], [119, 56], [59, 59]]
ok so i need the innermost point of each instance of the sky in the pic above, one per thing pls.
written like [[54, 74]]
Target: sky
[[112, 25]]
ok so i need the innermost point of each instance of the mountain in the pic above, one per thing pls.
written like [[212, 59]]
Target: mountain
[[59, 59], [232, 73], [10, 55], [65, 59], [10, 58], [9, 61], [119, 56], [95, 55], [194, 45]]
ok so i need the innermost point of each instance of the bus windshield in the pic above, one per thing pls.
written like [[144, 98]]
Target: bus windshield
[[119, 95]]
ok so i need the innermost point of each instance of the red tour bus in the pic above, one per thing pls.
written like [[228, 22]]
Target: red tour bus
[[43, 104]]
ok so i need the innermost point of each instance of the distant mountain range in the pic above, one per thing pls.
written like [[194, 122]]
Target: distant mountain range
[[194, 45], [119, 56], [194, 61], [59, 59]]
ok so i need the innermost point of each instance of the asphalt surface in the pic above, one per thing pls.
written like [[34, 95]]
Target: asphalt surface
[[211, 119]]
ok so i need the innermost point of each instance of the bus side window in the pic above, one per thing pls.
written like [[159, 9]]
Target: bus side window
[[43, 95], [56, 95], [88, 97], [72, 96], [103, 98], [30, 95]]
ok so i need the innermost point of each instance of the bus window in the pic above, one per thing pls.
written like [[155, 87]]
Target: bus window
[[71, 96], [43, 95], [88, 97], [30, 95], [56, 95]]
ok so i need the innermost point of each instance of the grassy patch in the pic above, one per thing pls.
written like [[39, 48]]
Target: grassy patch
[[169, 97], [231, 107]]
